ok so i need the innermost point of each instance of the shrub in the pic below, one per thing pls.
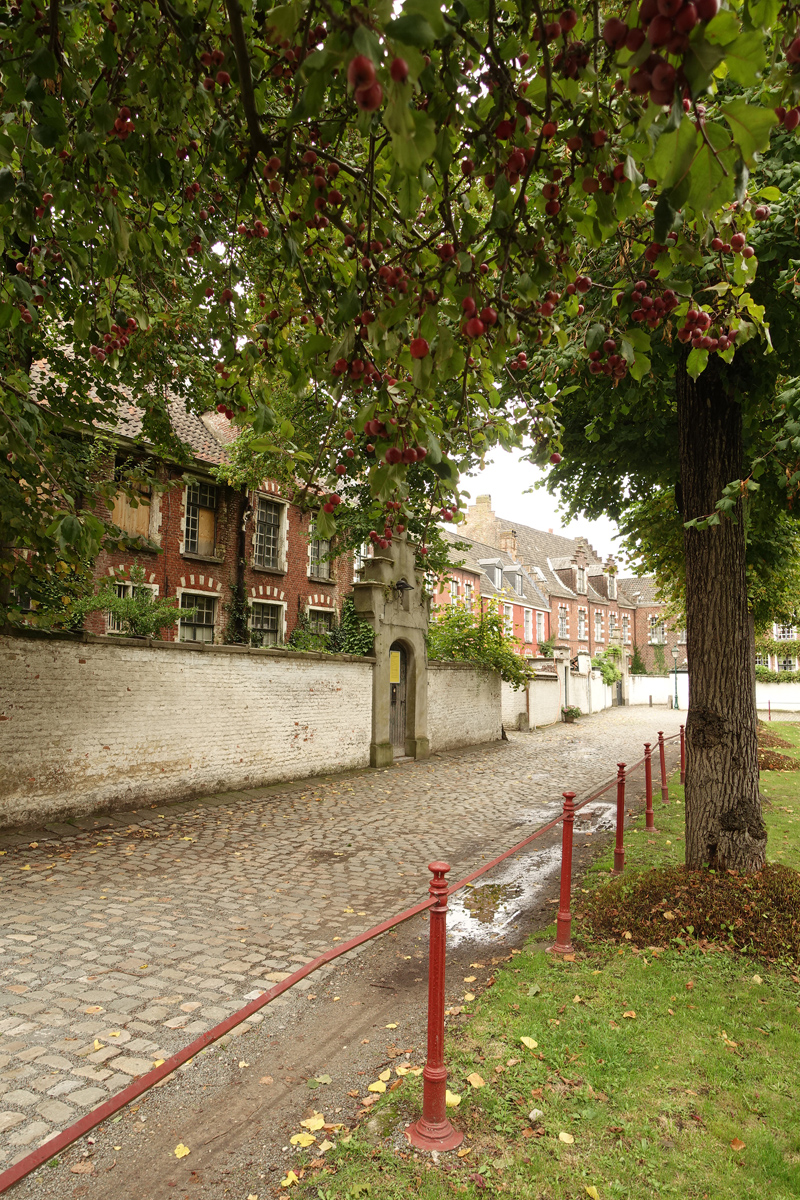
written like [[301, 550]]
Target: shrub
[[141, 614], [458, 635]]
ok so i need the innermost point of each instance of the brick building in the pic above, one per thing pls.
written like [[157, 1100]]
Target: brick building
[[582, 600], [198, 538]]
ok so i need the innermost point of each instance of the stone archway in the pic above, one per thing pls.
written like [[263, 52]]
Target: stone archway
[[392, 597]]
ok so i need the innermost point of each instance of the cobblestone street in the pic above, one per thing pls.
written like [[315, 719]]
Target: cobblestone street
[[126, 936]]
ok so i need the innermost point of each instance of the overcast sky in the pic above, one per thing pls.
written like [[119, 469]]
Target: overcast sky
[[506, 479]]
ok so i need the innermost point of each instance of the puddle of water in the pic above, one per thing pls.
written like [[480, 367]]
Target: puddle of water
[[481, 913]]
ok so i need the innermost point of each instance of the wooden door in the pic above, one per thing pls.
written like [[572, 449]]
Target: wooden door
[[397, 698]]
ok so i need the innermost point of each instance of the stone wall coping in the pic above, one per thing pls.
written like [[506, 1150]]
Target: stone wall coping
[[273, 652], [442, 664]]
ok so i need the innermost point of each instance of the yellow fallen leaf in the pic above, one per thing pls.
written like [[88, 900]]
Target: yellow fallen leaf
[[326, 1145], [243, 1064], [93, 1008], [25, 868], [631, 1015], [392, 1026], [159, 1062], [737, 1144], [143, 967], [757, 979], [181, 1151], [403, 1069], [593, 1192], [469, 996], [577, 1000], [470, 978], [567, 1138], [529, 1042], [252, 1196], [415, 1070], [475, 1080], [98, 1045], [115, 1033], [669, 916], [464, 1151], [385, 1075], [302, 1139], [451, 1099], [290, 1179], [314, 1123], [380, 1086]]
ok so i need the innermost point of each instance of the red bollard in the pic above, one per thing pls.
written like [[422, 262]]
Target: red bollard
[[619, 849], [648, 786], [433, 1131], [562, 944], [664, 792], [683, 753]]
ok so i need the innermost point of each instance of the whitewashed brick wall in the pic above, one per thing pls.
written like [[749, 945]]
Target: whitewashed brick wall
[[464, 705], [545, 700], [116, 724], [514, 706]]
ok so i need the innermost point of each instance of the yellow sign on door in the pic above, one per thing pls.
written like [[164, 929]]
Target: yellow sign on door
[[394, 666]]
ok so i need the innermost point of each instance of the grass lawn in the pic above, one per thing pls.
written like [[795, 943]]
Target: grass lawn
[[658, 1072]]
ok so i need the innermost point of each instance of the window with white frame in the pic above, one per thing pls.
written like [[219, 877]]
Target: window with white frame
[[658, 631], [563, 621], [598, 625], [319, 564], [361, 558], [784, 633], [508, 619], [320, 620], [786, 663], [267, 520], [626, 627], [612, 587], [581, 577], [762, 660], [469, 590], [124, 590], [200, 533], [198, 627], [613, 624], [498, 577], [540, 627], [528, 621], [681, 637], [582, 624], [454, 591], [266, 624]]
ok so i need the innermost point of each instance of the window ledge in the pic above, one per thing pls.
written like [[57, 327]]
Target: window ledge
[[209, 558], [322, 579], [268, 570]]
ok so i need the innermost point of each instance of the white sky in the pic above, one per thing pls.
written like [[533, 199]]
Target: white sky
[[506, 478]]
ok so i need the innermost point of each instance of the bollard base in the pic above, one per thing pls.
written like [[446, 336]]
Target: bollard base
[[560, 948], [425, 1135]]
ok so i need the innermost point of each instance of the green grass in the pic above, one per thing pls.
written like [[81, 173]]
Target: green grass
[[652, 1101]]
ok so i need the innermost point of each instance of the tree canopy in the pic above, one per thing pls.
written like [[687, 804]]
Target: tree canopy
[[381, 217]]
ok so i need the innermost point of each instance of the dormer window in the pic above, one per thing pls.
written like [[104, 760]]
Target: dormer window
[[612, 587], [581, 584], [498, 577]]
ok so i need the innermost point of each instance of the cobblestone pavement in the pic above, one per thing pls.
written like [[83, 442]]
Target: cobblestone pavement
[[124, 937]]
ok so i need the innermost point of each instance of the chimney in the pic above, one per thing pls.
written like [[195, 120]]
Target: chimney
[[508, 542], [549, 531], [483, 501]]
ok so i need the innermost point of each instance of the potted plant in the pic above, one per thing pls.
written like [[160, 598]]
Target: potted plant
[[569, 713]]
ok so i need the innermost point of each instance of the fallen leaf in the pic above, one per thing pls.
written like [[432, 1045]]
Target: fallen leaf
[[266, 1080], [690, 985], [302, 1139], [252, 1196], [613, 1025], [593, 1192], [567, 1138], [98, 1045], [669, 916], [290, 1179], [464, 1151], [243, 1064], [181, 1151], [737, 1144], [159, 1062], [470, 978], [93, 1008], [143, 967], [353, 1094], [499, 1069], [757, 979], [326, 1145], [469, 996], [115, 1033], [392, 1026], [403, 1069], [314, 1123], [385, 1075], [534, 990], [577, 1000], [380, 1086], [568, 958], [529, 1042], [451, 1099], [415, 1070], [480, 966], [475, 1080], [535, 1116], [326, 1079], [512, 1062], [631, 1015], [82, 1168]]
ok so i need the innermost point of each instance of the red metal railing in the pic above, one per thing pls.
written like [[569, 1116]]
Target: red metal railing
[[433, 1124]]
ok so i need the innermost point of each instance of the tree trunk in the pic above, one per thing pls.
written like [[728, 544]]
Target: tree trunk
[[724, 829]]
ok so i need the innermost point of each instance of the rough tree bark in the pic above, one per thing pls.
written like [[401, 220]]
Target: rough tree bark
[[724, 828]]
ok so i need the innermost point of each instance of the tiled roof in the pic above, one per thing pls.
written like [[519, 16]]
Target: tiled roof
[[644, 585], [479, 550]]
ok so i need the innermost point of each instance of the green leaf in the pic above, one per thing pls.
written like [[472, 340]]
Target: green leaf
[[640, 367], [745, 58], [595, 337], [723, 28], [696, 362], [674, 155], [43, 64], [750, 125], [412, 30], [7, 185]]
